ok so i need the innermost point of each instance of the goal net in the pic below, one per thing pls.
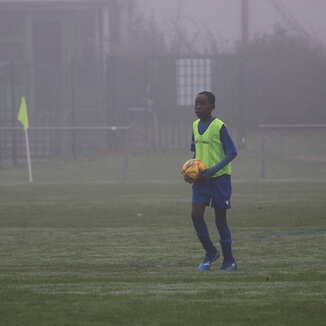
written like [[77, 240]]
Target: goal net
[[67, 145], [293, 151]]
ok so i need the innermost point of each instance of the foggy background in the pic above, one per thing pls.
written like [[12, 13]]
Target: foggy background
[[103, 234], [115, 77], [222, 18]]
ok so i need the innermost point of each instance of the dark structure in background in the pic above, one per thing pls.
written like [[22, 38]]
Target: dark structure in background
[[55, 53], [47, 43], [91, 64], [85, 63]]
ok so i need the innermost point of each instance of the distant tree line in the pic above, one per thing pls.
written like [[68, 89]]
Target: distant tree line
[[285, 79], [284, 75]]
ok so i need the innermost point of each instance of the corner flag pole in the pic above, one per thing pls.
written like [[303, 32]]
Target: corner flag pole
[[23, 119]]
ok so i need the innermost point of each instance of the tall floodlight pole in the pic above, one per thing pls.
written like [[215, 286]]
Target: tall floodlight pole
[[242, 73], [245, 21]]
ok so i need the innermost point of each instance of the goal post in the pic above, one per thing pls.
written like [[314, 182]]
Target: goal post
[[74, 141], [291, 129]]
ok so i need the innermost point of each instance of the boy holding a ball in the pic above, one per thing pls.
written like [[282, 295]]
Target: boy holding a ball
[[212, 144]]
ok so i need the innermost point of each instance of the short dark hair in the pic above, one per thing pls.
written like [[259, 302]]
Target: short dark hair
[[210, 95]]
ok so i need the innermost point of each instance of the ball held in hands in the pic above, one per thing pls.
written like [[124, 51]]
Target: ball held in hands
[[192, 169]]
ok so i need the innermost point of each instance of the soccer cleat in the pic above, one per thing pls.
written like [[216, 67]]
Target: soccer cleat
[[208, 261], [229, 266]]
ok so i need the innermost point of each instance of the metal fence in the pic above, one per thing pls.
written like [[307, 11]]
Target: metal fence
[[154, 95]]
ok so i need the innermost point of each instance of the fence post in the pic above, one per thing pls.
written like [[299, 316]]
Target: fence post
[[262, 158], [13, 114], [73, 109], [125, 156]]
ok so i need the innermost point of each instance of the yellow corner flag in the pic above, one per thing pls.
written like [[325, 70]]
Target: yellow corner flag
[[22, 114]]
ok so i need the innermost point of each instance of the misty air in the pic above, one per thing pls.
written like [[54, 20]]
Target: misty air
[[162, 162]]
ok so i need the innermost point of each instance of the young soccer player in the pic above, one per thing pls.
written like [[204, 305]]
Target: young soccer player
[[212, 144]]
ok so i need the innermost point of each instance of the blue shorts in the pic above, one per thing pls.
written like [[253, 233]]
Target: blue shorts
[[216, 192]]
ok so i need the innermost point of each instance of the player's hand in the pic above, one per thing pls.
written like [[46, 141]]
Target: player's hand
[[205, 175], [188, 179]]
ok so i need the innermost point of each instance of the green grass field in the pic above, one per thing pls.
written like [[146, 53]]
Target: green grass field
[[81, 246]]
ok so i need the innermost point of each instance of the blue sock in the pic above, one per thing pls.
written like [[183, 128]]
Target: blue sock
[[203, 235], [226, 243]]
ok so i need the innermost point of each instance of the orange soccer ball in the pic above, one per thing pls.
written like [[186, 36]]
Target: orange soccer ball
[[192, 168]]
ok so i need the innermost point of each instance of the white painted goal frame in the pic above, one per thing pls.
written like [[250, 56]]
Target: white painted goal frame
[[265, 127]]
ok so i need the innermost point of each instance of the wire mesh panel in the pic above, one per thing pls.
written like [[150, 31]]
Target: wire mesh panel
[[293, 151], [68, 94], [55, 97], [193, 76], [74, 143]]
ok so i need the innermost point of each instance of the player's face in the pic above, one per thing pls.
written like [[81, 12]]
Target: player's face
[[203, 108]]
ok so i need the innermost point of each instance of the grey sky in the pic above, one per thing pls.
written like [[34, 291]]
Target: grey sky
[[222, 17]]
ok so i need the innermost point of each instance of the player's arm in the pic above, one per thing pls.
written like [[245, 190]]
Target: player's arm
[[192, 149], [230, 153]]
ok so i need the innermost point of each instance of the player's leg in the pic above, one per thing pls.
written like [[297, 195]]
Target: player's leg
[[225, 238], [198, 221], [211, 253]]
